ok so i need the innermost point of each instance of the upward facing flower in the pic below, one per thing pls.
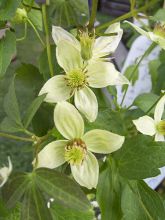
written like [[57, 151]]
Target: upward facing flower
[[158, 34], [76, 150], [91, 49], [78, 78], [156, 126], [5, 172]]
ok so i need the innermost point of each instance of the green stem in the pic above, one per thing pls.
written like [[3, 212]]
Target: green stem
[[47, 40], [34, 28], [25, 34], [147, 52], [93, 14], [15, 137], [126, 16], [148, 111]]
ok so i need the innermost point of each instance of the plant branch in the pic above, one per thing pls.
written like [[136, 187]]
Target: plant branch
[[25, 34], [147, 52], [47, 40], [34, 28], [126, 16], [15, 137], [93, 14]]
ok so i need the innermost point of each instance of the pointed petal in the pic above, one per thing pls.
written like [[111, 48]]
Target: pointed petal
[[52, 155], [5, 172], [58, 34], [159, 137], [87, 173], [68, 121], [159, 109], [86, 102], [68, 56], [56, 89], [138, 29], [105, 45], [102, 141], [145, 125], [102, 74]]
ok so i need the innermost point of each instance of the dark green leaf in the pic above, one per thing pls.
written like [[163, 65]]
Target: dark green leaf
[[11, 106], [109, 192], [7, 51], [145, 101], [8, 9], [161, 79], [33, 109], [64, 191], [153, 70], [140, 158], [36, 18]]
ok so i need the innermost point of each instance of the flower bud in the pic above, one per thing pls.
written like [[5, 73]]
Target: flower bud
[[20, 16]]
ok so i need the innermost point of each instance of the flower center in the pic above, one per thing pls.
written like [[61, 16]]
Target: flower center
[[160, 30], [76, 79], [161, 127], [86, 43], [75, 152]]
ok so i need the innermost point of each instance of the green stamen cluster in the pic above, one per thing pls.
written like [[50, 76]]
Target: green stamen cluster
[[161, 127], [76, 79], [86, 45], [20, 16], [75, 152], [160, 30]]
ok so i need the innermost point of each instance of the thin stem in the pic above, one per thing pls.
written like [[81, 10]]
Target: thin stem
[[15, 137], [126, 16], [147, 52], [47, 40], [25, 34], [93, 14], [148, 111], [34, 28], [31, 7]]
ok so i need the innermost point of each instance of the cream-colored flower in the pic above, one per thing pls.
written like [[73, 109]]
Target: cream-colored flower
[[158, 34], [5, 172], [78, 147], [78, 78], [149, 126], [91, 49]]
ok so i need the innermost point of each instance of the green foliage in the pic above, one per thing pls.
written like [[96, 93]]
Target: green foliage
[[7, 51], [160, 15], [8, 9], [38, 187]]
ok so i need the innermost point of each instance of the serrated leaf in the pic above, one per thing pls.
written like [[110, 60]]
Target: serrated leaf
[[109, 202], [8, 9], [140, 157], [145, 101], [11, 106], [7, 51], [31, 111], [34, 206], [64, 191]]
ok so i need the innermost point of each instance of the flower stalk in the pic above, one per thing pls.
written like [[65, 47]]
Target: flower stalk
[[93, 14]]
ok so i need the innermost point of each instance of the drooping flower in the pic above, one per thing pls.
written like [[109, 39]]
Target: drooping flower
[[78, 78], [157, 35], [78, 147], [149, 126], [5, 172], [91, 49]]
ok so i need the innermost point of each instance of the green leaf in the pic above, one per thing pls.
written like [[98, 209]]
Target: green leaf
[[34, 206], [145, 101], [8, 125], [7, 51], [31, 111], [64, 191], [153, 70], [8, 9], [68, 13], [36, 18], [11, 106], [140, 158], [161, 79], [160, 15], [141, 202], [109, 192]]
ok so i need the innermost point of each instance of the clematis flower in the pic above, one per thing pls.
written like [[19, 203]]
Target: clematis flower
[[91, 49], [78, 147], [149, 126], [78, 78], [158, 34], [5, 172]]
